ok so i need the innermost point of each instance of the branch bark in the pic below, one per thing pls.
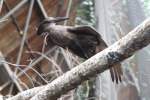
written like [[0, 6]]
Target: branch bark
[[124, 48]]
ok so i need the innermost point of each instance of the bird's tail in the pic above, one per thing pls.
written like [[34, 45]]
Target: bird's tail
[[116, 73]]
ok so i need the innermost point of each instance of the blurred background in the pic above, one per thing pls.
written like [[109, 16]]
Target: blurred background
[[25, 64]]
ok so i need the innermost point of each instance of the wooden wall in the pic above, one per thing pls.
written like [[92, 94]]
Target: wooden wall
[[10, 38]]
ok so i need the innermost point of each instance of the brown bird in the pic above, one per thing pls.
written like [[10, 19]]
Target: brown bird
[[83, 41]]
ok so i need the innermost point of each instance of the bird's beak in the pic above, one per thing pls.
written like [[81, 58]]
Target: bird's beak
[[59, 19]]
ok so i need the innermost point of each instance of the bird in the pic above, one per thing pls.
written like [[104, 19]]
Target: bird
[[83, 41]]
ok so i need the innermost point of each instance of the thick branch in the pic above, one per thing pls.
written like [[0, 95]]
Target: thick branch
[[124, 48]]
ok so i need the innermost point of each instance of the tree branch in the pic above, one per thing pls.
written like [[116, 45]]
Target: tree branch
[[124, 48]]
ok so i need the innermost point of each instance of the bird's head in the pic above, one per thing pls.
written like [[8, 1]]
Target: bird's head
[[48, 21]]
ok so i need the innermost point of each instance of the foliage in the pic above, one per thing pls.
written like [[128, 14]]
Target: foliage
[[85, 13], [146, 5]]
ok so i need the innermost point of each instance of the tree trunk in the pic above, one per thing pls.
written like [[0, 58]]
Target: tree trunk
[[113, 23], [136, 15]]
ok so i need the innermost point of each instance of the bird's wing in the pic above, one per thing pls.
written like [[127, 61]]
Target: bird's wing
[[86, 40], [87, 30], [116, 71], [84, 30]]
